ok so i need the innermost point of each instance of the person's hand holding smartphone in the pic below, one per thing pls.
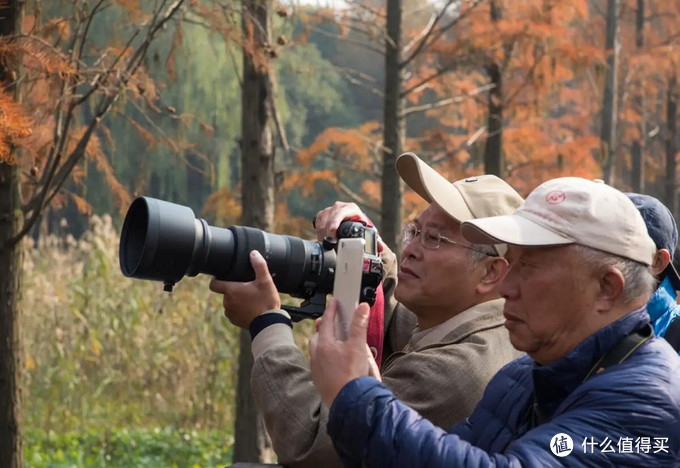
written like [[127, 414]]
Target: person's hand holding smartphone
[[347, 283]]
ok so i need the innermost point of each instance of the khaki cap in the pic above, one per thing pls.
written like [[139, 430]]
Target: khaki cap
[[570, 210], [471, 198]]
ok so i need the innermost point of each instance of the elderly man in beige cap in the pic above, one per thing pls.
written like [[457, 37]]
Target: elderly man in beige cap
[[446, 281], [595, 388]]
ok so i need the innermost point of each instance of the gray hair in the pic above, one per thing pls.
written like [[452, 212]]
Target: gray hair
[[639, 279], [483, 251]]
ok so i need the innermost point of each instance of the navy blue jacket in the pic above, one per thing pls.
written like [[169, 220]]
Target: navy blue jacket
[[629, 407]]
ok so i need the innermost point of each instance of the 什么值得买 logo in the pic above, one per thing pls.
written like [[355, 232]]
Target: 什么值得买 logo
[[561, 445]]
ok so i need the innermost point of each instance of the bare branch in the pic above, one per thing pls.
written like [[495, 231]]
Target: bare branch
[[234, 62], [57, 174], [371, 30], [275, 112], [91, 16], [364, 6], [348, 75], [435, 33], [348, 40], [460, 62], [443, 156], [526, 80], [354, 72], [448, 101], [101, 77], [426, 31], [364, 204]]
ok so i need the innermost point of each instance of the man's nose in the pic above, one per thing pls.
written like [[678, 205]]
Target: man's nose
[[412, 249], [508, 287]]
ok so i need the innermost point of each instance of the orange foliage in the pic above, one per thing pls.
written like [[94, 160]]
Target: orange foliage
[[224, 207], [133, 8], [82, 205], [371, 189], [15, 126], [354, 145], [93, 151], [547, 52], [170, 61], [305, 181], [37, 55], [286, 223]]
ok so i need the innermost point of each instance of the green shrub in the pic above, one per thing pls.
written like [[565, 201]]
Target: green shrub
[[127, 448]]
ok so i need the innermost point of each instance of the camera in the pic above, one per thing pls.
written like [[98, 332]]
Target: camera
[[163, 241]]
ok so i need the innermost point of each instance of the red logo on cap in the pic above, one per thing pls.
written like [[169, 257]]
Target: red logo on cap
[[555, 197]]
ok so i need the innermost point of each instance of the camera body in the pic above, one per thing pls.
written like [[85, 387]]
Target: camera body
[[373, 268], [163, 241]]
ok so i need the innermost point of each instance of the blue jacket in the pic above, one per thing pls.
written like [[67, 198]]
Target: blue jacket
[[662, 307], [635, 404]]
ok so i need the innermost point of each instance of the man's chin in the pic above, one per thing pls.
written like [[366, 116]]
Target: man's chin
[[404, 296], [521, 343]]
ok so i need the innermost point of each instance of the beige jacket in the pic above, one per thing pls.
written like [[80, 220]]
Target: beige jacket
[[441, 372]]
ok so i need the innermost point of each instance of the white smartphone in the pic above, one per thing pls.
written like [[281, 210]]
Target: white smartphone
[[347, 283]]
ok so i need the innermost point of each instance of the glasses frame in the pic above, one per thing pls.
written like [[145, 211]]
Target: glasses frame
[[440, 238]]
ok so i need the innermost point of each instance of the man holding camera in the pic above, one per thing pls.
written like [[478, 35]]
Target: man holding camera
[[447, 282], [596, 386]]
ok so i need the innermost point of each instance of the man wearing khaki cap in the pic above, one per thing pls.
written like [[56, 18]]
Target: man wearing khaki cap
[[447, 282], [596, 387]]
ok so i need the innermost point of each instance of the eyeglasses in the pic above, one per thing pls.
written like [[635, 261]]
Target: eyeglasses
[[431, 239]]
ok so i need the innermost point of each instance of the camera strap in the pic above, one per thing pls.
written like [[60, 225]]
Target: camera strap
[[622, 350], [616, 355]]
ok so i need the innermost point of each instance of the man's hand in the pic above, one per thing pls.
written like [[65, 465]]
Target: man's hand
[[373, 369], [328, 220], [245, 301], [333, 362]]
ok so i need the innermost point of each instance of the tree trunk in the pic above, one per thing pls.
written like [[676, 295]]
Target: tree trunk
[[493, 150], [638, 168], [394, 129], [11, 359], [11, 219], [638, 150], [257, 200], [609, 107], [671, 145]]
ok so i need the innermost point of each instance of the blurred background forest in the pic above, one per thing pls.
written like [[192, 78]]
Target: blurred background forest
[[106, 100]]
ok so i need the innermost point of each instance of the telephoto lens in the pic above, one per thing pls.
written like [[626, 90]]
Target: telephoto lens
[[164, 241]]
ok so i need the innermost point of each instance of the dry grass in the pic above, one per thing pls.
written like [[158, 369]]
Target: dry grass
[[106, 351]]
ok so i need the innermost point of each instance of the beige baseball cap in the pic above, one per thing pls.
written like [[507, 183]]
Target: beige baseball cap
[[570, 210], [471, 198]]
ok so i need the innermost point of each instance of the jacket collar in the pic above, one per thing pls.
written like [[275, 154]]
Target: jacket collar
[[662, 301], [478, 317], [554, 382]]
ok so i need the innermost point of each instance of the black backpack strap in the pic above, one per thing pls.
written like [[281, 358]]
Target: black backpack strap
[[673, 334], [622, 350], [619, 353]]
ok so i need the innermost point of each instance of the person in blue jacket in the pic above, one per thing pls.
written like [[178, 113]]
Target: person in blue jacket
[[662, 306], [595, 388]]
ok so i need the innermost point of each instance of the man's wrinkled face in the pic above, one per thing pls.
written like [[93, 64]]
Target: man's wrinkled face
[[435, 280], [549, 295]]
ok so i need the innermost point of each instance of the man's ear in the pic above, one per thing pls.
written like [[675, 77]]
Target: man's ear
[[661, 260], [612, 284], [495, 269]]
